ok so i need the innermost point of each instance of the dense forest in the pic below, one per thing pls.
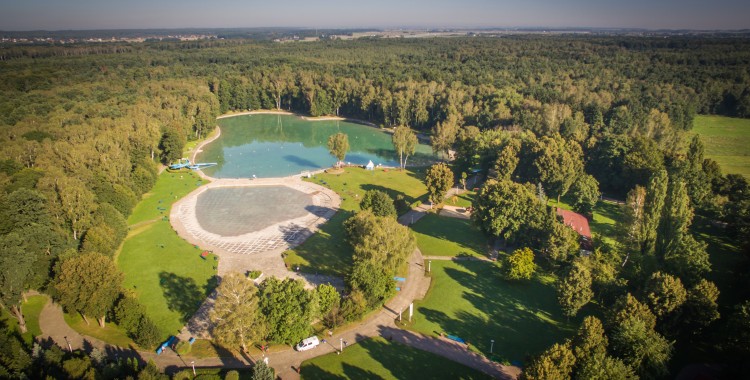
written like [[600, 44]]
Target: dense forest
[[85, 128]]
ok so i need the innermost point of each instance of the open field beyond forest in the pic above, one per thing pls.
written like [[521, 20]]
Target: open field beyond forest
[[377, 358], [327, 251], [727, 141], [167, 273], [471, 300]]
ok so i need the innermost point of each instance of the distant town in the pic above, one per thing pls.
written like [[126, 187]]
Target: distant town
[[310, 34]]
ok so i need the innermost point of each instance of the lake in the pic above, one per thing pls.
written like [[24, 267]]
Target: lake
[[268, 145]]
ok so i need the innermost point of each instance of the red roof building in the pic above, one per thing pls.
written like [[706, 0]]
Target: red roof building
[[580, 224]]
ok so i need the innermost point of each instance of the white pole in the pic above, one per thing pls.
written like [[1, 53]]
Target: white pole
[[192, 363], [429, 266], [341, 344], [70, 348]]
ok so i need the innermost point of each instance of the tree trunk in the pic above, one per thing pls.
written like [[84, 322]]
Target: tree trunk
[[401, 159], [102, 320], [406, 159], [85, 319], [16, 311], [558, 198]]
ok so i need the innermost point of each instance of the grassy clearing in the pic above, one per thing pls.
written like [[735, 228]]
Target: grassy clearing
[[377, 358], [327, 251], [31, 309], [169, 187], [110, 333], [727, 141], [167, 273], [471, 300], [464, 200], [444, 236]]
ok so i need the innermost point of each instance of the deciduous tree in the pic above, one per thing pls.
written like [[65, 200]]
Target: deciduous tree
[[438, 180], [405, 142], [338, 145], [287, 308], [89, 284], [235, 317], [664, 293], [519, 265], [379, 203], [575, 289]]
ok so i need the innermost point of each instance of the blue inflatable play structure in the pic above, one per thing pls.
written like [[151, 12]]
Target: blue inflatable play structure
[[185, 163]]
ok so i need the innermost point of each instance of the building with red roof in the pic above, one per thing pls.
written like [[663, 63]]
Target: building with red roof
[[579, 224]]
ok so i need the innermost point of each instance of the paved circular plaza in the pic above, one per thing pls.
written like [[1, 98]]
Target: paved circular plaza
[[242, 216]]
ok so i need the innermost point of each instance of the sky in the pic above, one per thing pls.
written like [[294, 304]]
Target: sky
[[138, 14]]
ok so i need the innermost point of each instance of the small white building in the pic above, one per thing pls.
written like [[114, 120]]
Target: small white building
[[370, 166]]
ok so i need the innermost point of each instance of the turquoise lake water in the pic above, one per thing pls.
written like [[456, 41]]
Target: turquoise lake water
[[267, 145]]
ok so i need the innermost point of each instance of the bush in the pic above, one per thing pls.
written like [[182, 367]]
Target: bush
[[254, 274], [379, 203], [232, 375], [519, 265], [147, 335]]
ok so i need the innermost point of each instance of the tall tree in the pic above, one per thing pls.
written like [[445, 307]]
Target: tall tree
[[652, 211], [557, 164], [506, 209], [701, 307], [664, 293], [89, 284], [439, 180], [379, 240], [575, 290], [338, 145], [171, 145], [287, 308], [676, 218], [405, 142], [630, 227], [15, 271], [444, 135], [235, 316], [585, 194], [555, 363]]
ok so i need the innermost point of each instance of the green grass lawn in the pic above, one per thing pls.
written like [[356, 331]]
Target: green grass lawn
[[464, 200], [444, 236], [167, 273], [110, 333], [727, 140], [169, 187], [31, 310], [471, 300], [327, 251], [377, 358]]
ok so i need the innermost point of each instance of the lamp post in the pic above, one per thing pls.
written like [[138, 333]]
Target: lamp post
[[429, 266], [341, 344], [192, 363], [492, 344], [70, 348]]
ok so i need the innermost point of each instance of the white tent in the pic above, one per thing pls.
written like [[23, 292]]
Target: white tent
[[370, 166]]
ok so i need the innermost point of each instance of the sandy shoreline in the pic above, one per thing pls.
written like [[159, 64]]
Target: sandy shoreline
[[308, 118]]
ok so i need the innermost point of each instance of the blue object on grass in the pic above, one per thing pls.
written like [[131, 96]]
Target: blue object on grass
[[399, 279], [398, 289], [457, 339]]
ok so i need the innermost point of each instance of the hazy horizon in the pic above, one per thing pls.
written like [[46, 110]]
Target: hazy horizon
[[53, 15]]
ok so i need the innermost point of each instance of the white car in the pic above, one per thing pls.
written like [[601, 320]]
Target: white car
[[308, 343]]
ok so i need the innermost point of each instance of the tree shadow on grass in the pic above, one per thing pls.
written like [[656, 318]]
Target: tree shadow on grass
[[183, 295], [458, 231], [522, 317], [404, 362], [313, 372]]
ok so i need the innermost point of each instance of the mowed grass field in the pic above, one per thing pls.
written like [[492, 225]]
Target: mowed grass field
[[443, 236], [727, 141], [377, 358], [327, 251], [166, 273], [471, 300]]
